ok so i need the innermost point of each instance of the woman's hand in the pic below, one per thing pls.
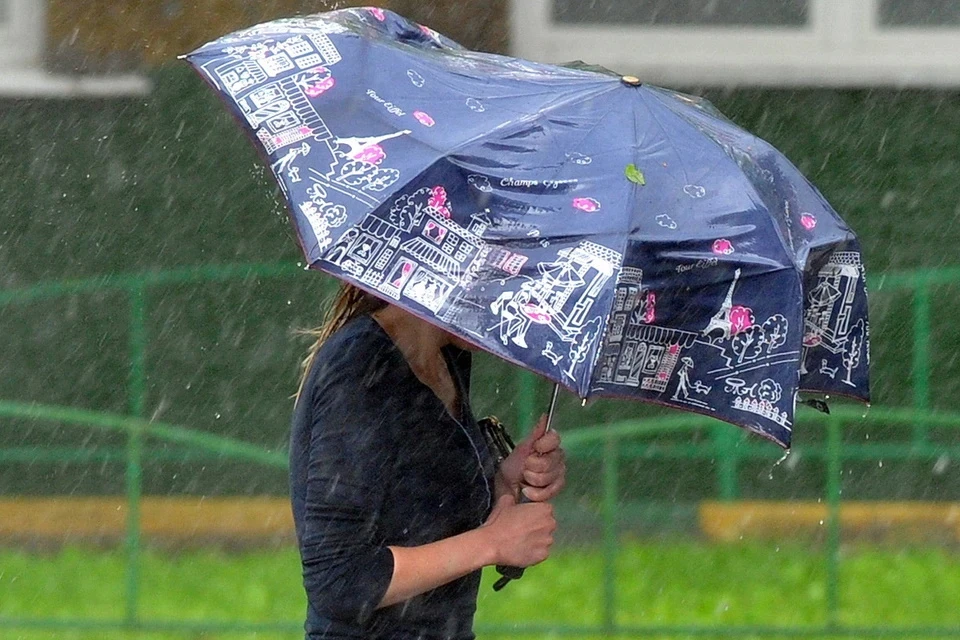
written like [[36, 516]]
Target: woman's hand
[[519, 535], [536, 466]]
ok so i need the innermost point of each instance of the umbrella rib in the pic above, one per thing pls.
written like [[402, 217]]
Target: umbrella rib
[[508, 126], [623, 254]]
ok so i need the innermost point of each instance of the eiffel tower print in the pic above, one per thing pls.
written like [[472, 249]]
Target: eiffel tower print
[[721, 320]]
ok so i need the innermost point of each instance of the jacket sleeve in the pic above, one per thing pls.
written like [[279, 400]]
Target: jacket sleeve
[[346, 569]]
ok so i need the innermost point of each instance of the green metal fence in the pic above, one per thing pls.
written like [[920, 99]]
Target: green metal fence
[[611, 443]]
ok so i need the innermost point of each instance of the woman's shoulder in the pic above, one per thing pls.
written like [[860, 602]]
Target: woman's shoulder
[[358, 353]]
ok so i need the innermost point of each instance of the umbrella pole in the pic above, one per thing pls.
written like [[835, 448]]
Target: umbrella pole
[[553, 405], [513, 573]]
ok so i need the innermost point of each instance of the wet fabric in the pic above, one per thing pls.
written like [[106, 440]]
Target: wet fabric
[[376, 460], [617, 238]]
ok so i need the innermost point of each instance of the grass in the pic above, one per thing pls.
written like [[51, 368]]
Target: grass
[[680, 583]]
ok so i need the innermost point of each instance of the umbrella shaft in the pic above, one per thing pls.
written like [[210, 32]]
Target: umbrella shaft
[[553, 405]]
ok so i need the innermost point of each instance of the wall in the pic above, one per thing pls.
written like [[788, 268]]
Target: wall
[[108, 35]]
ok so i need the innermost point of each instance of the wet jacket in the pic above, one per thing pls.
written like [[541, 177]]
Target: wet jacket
[[376, 460]]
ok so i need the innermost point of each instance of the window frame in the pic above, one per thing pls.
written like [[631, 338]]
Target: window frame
[[842, 45]]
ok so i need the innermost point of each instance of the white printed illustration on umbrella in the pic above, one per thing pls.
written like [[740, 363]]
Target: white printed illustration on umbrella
[[280, 110], [355, 170], [635, 353], [687, 389], [475, 105], [322, 214], [550, 354], [639, 354], [415, 250], [760, 398], [282, 114], [561, 299], [415, 78], [828, 312]]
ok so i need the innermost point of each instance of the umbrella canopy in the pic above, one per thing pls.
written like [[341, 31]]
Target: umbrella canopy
[[618, 238]]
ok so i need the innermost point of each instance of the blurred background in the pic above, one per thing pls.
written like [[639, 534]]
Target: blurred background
[[150, 294]]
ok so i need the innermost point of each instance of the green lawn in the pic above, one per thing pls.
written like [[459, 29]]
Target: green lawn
[[657, 584]]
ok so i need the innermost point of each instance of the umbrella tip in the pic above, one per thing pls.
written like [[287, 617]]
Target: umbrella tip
[[633, 81]]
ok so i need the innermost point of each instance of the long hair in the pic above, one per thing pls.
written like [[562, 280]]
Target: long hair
[[349, 302]]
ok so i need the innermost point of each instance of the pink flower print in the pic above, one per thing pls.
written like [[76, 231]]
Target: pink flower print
[[378, 13], [429, 32], [438, 201], [305, 130], [536, 313], [438, 197], [808, 220], [374, 154], [741, 319], [650, 308], [318, 83], [674, 349], [424, 118], [812, 340], [722, 247], [586, 204]]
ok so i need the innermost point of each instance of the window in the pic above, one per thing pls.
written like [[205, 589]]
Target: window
[[919, 13], [756, 42], [22, 25], [772, 13]]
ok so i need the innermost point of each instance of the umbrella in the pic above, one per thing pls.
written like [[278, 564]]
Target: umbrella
[[618, 238]]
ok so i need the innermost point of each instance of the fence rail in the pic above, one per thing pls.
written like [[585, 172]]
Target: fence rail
[[614, 441]]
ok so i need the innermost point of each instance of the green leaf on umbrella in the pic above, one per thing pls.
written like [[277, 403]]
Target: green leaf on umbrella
[[635, 175]]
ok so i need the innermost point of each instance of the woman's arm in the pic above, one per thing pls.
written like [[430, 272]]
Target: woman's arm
[[518, 535]]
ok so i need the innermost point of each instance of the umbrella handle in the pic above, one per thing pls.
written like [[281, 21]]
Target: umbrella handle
[[508, 573]]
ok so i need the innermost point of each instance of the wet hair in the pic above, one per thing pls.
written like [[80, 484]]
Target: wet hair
[[349, 302]]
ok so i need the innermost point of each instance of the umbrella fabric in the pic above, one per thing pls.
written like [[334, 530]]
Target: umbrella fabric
[[615, 237]]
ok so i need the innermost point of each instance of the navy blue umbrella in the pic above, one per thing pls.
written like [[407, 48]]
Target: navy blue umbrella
[[617, 238]]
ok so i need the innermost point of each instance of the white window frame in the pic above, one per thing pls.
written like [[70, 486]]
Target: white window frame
[[843, 44], [22, 43], [21, 35]]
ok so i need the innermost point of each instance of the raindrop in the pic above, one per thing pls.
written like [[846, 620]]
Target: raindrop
[[880, 463], [940, 466], [821, 523], [217, 416]]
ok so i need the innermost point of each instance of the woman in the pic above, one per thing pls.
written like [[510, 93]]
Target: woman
[[397, 500]]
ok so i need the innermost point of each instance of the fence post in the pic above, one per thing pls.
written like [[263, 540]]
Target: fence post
[[921, 355], [134, 472], [834, 471], [725, 441], [611, 467]]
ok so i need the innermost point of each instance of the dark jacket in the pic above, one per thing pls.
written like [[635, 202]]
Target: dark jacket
[[376, 460]]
